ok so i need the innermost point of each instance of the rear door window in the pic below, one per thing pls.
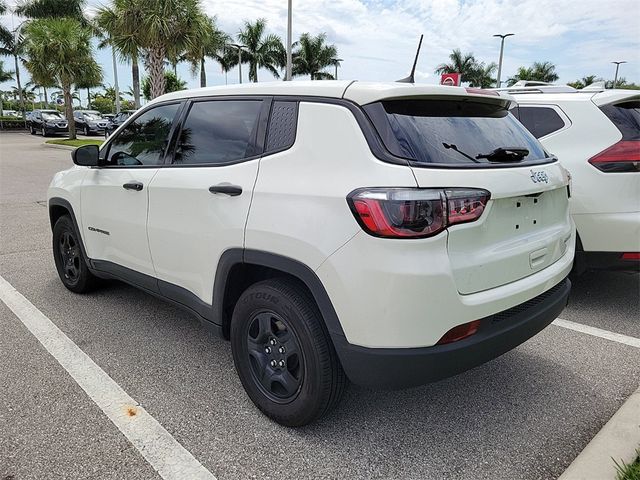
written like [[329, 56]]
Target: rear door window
[[450, 132], [540, 121], [219, 132], [625, 116]]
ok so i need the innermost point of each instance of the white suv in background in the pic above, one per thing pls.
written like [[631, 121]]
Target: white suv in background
[[596, 135], [387, 233]]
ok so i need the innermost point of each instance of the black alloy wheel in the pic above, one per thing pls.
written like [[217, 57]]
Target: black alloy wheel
[[70, 253], [283, 353], [68, 256], [276, 361]]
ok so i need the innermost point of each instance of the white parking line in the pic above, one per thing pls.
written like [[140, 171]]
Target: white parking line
[[598, 332], [163, 452]]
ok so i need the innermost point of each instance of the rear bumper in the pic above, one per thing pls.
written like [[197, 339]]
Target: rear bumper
[[395, 368]]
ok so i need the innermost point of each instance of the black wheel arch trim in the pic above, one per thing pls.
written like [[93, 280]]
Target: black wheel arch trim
[[286, 265], [61, 202]]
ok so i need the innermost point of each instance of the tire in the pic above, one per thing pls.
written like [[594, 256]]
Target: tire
[[44, 132], [87, 132], [67, 254], [32, 130], [283, 354]]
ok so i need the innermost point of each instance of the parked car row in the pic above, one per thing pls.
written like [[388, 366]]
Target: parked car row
[[88, 122]]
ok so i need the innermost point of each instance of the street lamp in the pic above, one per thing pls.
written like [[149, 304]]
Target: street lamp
[[287, 75], [502, 37], [239, 47], [337, 64], [615, 80]]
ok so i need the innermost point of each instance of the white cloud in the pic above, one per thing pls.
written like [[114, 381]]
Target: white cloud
[[377, 38]]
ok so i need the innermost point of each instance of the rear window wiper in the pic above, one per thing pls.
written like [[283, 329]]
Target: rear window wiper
[[505, 154], [454, 147]]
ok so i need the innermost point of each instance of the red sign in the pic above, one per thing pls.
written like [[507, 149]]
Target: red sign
[[451, 79]]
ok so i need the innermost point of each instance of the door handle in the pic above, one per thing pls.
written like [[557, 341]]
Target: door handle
[[227, 189], [137, 186]]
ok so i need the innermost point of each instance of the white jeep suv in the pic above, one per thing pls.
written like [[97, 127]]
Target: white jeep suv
[[388, 233], [596, 135]]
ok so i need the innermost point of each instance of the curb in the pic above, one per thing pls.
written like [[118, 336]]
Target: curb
[[60, 147], [618, 439]]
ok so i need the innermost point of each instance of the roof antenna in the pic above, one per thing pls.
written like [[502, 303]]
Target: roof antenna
[[410, 78]]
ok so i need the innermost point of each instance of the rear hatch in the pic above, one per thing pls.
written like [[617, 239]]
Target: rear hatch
[[474, 142]]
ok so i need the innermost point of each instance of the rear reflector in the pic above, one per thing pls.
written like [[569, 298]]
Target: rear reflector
[[621, 157], [631, 256], [460, 332]]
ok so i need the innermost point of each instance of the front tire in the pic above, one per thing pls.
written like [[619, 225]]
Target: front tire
[[67, 254], [283, 354], [32, 130], [44, 132], [87, 132]]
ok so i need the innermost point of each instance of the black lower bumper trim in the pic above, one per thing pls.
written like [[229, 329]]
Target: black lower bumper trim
[[395, 368], [607, 261]]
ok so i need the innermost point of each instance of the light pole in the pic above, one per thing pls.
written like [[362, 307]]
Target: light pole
[[615, 80], [287, 75], [239, 47], [502, 37], [337, 64]]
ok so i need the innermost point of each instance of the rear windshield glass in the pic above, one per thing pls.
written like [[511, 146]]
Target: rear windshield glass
[[450, 132], [625, 116]]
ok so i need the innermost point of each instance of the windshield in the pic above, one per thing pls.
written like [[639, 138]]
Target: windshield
[[451, 132], [93, 116], [52, 116]]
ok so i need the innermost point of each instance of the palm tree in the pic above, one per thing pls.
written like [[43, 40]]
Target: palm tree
[[312, 55], [5, 33], [210, 43], [91, 78], [120, 22], [65, 45], [40, 9], [585, 81], [463, 63], [172, 83], [482, 77], [5, 75], [539, 71], [261, 51], [12, 46], [167, 26]]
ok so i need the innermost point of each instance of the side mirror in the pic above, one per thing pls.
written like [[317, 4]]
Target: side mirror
[[86, 156]]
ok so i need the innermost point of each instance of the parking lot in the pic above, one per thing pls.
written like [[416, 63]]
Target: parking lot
[[525, 415]]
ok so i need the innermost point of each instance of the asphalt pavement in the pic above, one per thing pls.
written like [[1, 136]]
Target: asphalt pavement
[[524, 415]]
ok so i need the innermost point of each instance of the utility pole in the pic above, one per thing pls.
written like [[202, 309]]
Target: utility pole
[[615, 80], [287, 75], [502, 37], [115, 79]]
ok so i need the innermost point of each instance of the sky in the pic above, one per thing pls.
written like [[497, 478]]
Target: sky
[[377, 38]]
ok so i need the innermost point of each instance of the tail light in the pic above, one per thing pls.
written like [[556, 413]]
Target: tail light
[[415, 212], [631, 256], [621, 157]]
